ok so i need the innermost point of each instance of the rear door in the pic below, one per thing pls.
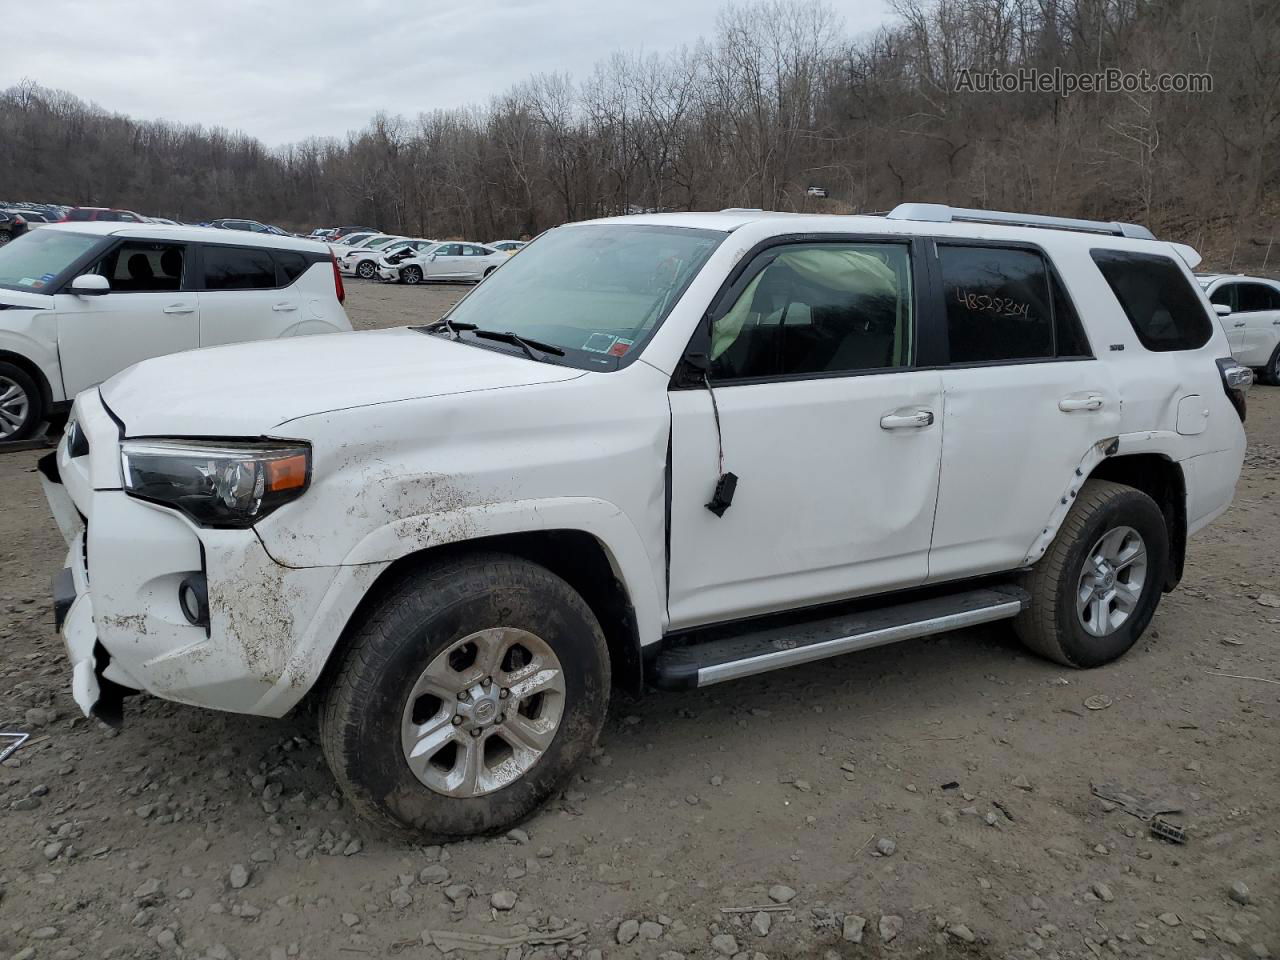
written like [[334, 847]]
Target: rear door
[[244, 295], [1025, 401], [151, 311]]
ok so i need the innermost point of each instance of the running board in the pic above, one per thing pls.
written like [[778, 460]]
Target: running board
[[759, 651]]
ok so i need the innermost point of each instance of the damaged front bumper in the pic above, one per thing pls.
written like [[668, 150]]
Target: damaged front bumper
[[268, 629]]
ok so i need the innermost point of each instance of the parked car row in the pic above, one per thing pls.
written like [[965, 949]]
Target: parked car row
[[370, 255], [1249, 310]]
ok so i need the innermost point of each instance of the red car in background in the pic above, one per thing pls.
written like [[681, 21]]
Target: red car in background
[[80, 214]]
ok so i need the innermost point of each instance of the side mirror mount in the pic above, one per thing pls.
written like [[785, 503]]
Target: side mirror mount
[[431, 256], [1222, 310], [90, 285]]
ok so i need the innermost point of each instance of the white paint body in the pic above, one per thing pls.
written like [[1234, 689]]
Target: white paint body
[[78, 341], [449, 261], [1254, 335], [420, 441]]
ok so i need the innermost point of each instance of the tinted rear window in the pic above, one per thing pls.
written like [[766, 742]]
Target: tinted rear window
[[292, 266], [238, 268], [1157, 298], [80, 215]]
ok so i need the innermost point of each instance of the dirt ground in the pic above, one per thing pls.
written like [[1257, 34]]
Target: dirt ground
[[940, 788]]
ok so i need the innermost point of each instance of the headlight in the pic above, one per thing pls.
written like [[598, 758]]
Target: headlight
[[216, 484]]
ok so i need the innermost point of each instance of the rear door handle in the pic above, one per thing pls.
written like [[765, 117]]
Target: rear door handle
[[282, 307], [903, 421], [1072, 404], [1241, 323], [179, 308]]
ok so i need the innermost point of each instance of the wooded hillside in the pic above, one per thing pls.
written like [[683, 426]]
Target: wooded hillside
[[777, 100]]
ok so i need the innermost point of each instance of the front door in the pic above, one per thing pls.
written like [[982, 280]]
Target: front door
[[150, 311], [444, 263], [834, 437], [1259, 312]]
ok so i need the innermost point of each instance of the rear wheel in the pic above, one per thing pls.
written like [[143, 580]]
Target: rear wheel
[[468, 695], [411, 274], [1096, 590], [489, 270], [21, 403]]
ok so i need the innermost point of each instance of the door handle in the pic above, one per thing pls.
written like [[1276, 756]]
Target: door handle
[[282, 307], [903, 421], [179, 308], [1241, 323], [1072, 404]]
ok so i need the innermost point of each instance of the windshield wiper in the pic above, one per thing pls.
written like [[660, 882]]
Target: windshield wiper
[[444, 323], [525, 344]]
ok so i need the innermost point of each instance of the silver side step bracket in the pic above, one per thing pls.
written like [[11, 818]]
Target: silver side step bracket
[[774, 648]]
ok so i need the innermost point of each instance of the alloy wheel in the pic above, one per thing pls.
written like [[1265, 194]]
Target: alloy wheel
[[15, 407], [1111, 581], [483, 712]]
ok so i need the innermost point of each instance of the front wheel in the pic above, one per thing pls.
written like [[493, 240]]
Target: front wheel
[[1272, 374], [21, 404], [466, 697], [1096, 589], [411, 275], [366, 269]]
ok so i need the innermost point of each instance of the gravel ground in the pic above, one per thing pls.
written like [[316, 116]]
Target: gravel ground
[[937, 790]]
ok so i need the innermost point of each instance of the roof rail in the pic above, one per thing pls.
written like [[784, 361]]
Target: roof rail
[[743, 210], [941, 213]]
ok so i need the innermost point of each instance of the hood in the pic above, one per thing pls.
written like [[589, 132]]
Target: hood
[[21, 300], [250, 389]]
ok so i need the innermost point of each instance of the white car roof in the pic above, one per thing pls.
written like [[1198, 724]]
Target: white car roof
[[163, 231], [766, 223]]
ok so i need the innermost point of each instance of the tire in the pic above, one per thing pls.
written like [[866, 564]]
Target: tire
[[1053, 625], [366, 269], [1271, 375], [411, 275], [21, 404], [376, 705], [488, 270], [4, 238]]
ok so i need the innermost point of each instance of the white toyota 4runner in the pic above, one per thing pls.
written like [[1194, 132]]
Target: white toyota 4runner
[[676, 449]]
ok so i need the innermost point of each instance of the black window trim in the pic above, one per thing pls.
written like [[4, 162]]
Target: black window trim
[[1210, 315], [694, 364], [1055, 281], [197, 258], [188, 274]]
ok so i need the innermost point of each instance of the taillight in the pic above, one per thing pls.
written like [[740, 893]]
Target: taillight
[[338, 288], [1236, 380]]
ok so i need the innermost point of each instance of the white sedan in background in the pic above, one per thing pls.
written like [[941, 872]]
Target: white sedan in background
[[471, 262], [507, 246]]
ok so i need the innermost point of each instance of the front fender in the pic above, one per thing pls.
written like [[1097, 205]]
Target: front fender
[[605, 521], [33, 337]]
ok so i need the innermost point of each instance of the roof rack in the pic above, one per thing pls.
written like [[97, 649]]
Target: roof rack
[[941, 213]]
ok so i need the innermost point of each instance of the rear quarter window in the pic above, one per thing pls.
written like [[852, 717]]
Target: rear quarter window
[[1156, 296]]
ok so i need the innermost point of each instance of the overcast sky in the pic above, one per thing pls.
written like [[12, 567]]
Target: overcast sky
[[287, 69]]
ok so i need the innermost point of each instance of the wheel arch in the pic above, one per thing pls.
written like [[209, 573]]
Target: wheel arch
[[33, 370], [580, 558], [1161, 478]]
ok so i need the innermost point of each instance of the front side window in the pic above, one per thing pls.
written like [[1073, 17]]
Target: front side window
[[448, 250], [238, 268], [34, 262], [998, 302], [1157, 298], [1225, 295], [594, 292], [818, 309], [143, 267]]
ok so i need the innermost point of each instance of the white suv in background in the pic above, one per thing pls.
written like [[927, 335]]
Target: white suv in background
[[1251, 319], [80, 302], [676, 449]]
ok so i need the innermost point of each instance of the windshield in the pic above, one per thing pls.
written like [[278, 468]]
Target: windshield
[[595, 291], [34, 261], [378, 242]]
